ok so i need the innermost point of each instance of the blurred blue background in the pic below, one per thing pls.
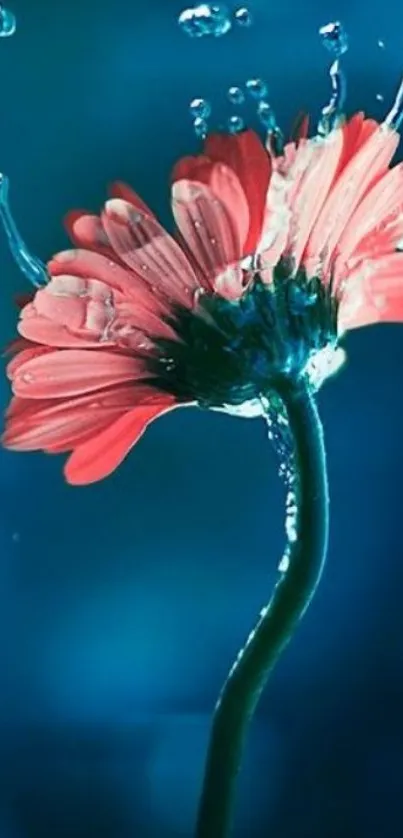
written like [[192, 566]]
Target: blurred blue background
[[123, 604]]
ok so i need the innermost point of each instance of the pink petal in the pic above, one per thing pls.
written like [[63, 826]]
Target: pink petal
[[376, 224], [143, 245], [245, 155], [373, 293], [118, 189], [23, 356], [312, 189], [86, 231], [101, 455], [71, 372], [231, 283], [69, 311], [220, 184], [212, 233], [32, 425], [360, 172]]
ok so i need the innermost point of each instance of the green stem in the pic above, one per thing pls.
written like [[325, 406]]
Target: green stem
[[290, 599]]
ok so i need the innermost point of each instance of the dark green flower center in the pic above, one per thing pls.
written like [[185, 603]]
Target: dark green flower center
[[230, 353]]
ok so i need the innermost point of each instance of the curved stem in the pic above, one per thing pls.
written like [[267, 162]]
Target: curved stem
[[306, 553]]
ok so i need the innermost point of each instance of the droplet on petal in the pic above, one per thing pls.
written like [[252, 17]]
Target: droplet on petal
[[8, 23]]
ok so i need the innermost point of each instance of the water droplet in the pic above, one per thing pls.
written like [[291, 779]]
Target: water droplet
[[27, 377], [206, 19], [257, 88], [8, 23], [243, 17], [235, 124], [200, 127], [266, 115], [236, 96], [200, 108], [381, 44], [334, 38], [379, 97]]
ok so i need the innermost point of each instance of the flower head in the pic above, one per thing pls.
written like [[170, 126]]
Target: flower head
[[275, 258]]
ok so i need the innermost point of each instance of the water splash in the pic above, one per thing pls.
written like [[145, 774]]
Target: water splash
[[8, 23], [395, 115], [243, 17], [335, 40], [30, 265], [280, 435], [207, 19]]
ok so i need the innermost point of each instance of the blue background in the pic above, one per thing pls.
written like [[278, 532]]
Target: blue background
[[123, 604]]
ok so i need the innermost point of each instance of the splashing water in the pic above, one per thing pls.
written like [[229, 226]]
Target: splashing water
[[335, 40], [395, 115], [30, 265], [243, 17], [211, 19], [279, 434], [8, 23]]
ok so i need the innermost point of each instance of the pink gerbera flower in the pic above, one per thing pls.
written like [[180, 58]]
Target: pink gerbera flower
[[276, 257]]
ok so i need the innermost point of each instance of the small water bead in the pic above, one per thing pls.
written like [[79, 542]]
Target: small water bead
[[235, 124], [257, 88], [380, 97], [381, 44], [266, 115], [200, 108], [200, 127], [243, 17], [206, 19], [236, 95], [334, 38], [8, 23]]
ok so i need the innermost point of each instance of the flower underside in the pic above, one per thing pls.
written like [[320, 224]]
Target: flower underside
[[231, 353]]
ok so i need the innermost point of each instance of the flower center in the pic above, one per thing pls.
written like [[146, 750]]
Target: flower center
[[231, 353]]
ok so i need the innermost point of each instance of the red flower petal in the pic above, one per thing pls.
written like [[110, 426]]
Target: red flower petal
[[101, 455], [246, 155]]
